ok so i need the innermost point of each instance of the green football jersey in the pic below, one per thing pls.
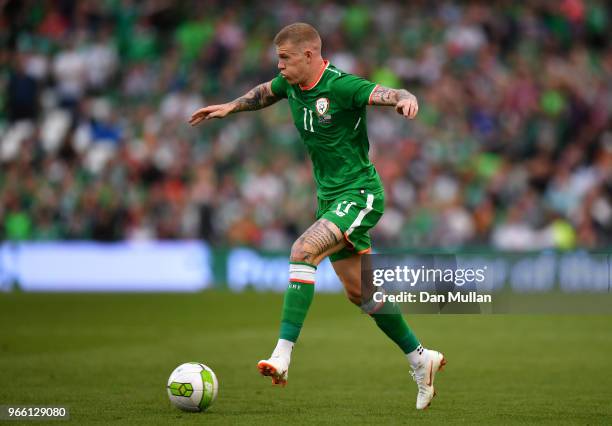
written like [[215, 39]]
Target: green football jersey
[[331, 119]]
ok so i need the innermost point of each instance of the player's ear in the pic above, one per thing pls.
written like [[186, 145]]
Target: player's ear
[[308, 54]]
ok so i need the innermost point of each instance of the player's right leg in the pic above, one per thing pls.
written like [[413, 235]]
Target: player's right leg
[[425, 363], [320, 240]]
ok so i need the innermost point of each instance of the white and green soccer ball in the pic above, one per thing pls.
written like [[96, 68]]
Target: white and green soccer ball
[[192, 387]]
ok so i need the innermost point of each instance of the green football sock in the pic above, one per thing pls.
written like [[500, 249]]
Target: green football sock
[[395, 327], [298, 298]]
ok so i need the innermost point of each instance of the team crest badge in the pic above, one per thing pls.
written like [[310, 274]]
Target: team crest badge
[[322, 105]]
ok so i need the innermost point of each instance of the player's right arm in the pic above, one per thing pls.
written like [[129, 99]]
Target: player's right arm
[[258, 97]]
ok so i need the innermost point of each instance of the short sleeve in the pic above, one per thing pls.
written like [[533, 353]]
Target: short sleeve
[[352, 91], [279, 86]]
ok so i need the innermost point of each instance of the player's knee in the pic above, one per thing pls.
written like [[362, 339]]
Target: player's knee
[[354, 295], [352, 289], [300, 253]]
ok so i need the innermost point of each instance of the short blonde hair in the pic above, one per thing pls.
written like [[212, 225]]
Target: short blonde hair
[[298, 34]]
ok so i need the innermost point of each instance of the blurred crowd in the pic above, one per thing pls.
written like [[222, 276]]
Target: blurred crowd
[[512, 147]]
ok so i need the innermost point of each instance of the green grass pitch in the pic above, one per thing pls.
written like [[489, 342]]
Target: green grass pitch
[[107, 358]]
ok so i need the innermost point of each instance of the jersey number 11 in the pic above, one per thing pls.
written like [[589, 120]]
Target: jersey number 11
[[306, 111]]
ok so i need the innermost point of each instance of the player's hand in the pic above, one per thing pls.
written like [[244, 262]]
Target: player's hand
[[408, 107], [211, 111]]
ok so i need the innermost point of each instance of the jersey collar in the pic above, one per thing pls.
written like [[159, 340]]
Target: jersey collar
[[325, 65]]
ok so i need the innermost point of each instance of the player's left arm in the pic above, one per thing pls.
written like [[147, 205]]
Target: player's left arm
[[405, 103]]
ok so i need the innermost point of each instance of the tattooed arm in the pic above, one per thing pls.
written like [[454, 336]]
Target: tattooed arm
[[405, 103], [257, 98]]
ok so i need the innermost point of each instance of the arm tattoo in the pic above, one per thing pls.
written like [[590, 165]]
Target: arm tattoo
[[317, 239], [257, 98], [385, 96]]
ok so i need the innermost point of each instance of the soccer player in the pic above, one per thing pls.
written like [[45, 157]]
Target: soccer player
[[328, 110]]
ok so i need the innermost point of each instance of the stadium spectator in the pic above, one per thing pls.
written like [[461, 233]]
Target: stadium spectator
[[512, 146]]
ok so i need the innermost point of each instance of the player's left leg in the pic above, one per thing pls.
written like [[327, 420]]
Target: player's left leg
[[425, 363]]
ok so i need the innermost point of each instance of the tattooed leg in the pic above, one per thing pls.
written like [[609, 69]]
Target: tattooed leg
[[319, 241]]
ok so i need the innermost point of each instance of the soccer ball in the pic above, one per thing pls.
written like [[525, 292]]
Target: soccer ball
[[192, 387]]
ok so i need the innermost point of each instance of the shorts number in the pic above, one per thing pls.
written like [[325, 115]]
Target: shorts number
[[341, 212]]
